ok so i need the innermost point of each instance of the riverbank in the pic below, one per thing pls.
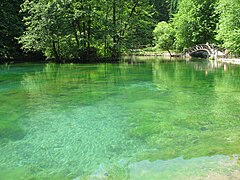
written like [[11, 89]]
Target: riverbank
[[23, 59], [229, 60], [41, 59], [155, 53]]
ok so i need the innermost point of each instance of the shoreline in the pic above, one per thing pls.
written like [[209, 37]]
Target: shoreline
[[229, 60], [40, 59]]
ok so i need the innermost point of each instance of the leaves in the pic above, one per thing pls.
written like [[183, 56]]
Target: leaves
[[10, 27], [228, 27], [72, 29], [195, 23], [164, 36]]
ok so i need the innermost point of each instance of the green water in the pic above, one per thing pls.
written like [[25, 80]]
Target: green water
[[153, 119]]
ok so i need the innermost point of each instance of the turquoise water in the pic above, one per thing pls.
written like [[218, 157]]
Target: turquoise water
[[153, 119]]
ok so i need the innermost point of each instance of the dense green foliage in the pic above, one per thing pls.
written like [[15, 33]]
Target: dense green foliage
[[80, 29], [88, 29], [73, 29], [164, 36], [198, 22], [10, 27], [195, 23], [229, 24], [164, 9]]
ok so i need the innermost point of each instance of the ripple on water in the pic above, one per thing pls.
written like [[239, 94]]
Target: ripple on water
[[74, 142], [214, 167], [158, 121]]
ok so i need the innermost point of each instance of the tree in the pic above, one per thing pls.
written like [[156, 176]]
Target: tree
[[173, 7], [74, 29], [164, 36], [164, 9], [10, 27], [139, 24], [229, 24], [50, 29], [195, 22]]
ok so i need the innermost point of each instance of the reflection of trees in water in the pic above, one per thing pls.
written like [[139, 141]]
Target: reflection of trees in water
[[81, 81], [12, 104], [54, 78], [209, 66], [5, 66], [187, 113], [197, 114]]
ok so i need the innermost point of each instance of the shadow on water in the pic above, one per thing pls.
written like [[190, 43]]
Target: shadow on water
[[200, 54]]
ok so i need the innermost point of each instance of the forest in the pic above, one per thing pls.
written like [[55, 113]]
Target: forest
[[88, 29]]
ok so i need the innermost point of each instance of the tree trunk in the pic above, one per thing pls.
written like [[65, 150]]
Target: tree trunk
[[169, 53], [129, 17], [105, 35], [89, 29], [83, 26], [114, 51], [75, 34], [56, 55]]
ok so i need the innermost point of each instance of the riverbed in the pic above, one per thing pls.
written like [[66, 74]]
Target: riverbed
[[138, 119]]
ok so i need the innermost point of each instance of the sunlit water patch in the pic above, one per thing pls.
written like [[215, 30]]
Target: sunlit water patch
[[159, 119]]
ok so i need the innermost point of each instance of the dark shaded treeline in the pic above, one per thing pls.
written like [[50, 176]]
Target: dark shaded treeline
[[11, 27], [77, 29]]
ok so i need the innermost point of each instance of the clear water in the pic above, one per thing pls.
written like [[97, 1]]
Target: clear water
[[152, 119]]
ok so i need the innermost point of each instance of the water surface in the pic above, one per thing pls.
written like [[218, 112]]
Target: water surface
[[153, 119]]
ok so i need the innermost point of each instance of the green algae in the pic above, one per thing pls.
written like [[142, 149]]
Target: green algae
[[10, 130], [12, 101], [11, 112], [28, 174], [190, 118]]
